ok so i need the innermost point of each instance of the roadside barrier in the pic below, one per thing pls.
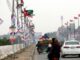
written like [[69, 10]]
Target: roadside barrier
[[9, 49]]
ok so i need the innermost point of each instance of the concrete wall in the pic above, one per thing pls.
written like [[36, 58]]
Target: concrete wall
[[10, 49]]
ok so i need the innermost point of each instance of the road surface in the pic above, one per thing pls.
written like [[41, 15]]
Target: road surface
[[43, 56]]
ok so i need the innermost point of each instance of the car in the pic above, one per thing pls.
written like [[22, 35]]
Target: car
[[70, 47]]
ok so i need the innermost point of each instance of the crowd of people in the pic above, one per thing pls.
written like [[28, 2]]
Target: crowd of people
[[53, 49]]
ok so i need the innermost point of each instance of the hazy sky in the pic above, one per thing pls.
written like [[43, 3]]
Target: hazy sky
[[47, 13]]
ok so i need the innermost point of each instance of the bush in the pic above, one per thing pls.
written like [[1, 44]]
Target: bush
[[4, 42]]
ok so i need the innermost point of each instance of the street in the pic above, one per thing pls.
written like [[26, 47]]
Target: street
[[43, 56]]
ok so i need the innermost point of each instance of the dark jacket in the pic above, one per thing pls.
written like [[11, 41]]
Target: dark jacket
[[54, 52]]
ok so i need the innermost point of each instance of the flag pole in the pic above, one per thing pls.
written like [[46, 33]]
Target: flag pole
[[78, 22], [18, 25], [61, 20], [67, 29], [74, 28], [62, 25], [12, 29], [21, 28]]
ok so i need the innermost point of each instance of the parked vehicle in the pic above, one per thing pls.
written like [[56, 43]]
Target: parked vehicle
[[70, 47]]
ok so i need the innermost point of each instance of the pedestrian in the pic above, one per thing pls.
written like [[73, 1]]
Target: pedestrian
[[39, 47], [49, 47], [54, 53]]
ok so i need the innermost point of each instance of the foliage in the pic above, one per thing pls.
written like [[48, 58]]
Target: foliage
[[4, 41]]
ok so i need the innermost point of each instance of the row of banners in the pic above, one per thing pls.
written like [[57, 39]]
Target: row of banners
[[25, 30]]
